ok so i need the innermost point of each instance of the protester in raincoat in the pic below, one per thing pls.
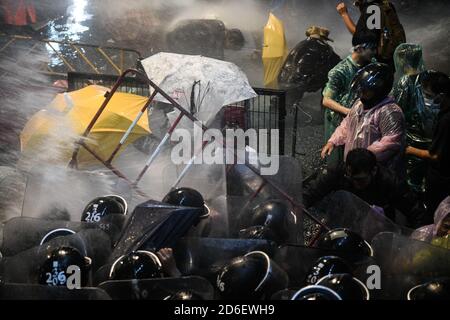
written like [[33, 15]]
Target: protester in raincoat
[[420, 117], [440, 229], [338, 98], [308, 64], [375, 122], [437, 182]]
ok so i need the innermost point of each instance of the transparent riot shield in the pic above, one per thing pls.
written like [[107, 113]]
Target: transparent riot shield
[[405, 263], [38, 292], [158, 289], [343, 209], [24, 267], [20, 234], [51, 186], [247, 189], [203, 256], [155, 225]]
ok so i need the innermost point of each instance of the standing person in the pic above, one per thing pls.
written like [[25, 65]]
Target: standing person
[[338, 98], [389, 36], [308, 64], [437, 183], [18, 12], [420, 115], [375, 122]]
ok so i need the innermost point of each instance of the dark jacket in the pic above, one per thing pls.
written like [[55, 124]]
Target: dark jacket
[[385, 191], [308, 64]]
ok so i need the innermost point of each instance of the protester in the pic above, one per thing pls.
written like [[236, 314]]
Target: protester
[[308, 64], [390, 33], [420, 116], [338, 98], [378, 186], [441, 226], [437, 184], [203, 37], [375, 122]]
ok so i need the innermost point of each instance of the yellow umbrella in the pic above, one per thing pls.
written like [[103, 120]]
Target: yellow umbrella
[[69, 114], [275, 50]]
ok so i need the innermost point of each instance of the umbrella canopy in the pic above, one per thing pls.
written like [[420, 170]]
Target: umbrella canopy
[[275, 50], [200, 85], [69, 114]]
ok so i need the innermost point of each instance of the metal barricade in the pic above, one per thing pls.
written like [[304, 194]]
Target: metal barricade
[[69, 56], [298, 208]]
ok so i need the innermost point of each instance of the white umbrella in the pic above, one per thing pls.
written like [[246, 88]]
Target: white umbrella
[[217, 83], [202, 86]]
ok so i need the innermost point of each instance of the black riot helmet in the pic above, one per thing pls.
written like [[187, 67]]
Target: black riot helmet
[[253, 276], [136, 265], [348, 243], [373, 83], [316, 293], [187, 197], [258, 232], [276, 217], [55, 269], [184, 295], [346, 286], [56, 233], [325, 266], [434, 290], [103, 206]]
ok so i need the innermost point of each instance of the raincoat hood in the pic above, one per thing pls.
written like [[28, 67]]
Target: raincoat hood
[[428, 232], [409, 58]]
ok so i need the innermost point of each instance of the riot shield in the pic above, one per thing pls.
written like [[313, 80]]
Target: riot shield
[[343, 209], [157, 289], [24, 267], [298, 261], [52, 186], [37, 292], [20, 234], [246, 190], [406, 263], [154, 225], [203, 256]]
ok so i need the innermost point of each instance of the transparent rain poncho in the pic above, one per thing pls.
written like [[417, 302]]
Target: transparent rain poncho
[[380, 130], [427, 233], [407, 91], [338, 89]]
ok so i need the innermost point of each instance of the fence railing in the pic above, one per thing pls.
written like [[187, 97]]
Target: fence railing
[[69, 56], [266, 111]]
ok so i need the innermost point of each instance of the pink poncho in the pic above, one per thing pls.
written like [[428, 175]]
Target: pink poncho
[[380, 130]]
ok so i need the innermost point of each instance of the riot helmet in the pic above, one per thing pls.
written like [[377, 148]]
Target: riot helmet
[[346, 286], [434, 290], [348, 243], [103, 206], [325, 266], [136, 265], [253, 276], [55, 269], [373, 83]]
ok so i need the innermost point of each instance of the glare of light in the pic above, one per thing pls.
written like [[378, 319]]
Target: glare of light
[[78, 11]]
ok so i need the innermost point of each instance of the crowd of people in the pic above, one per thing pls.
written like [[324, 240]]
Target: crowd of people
[[386, 142], [383, 99]]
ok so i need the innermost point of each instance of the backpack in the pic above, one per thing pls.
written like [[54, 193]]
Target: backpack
[[392, 33]]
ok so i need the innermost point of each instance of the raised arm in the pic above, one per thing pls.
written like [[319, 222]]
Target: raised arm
[[342, 9]]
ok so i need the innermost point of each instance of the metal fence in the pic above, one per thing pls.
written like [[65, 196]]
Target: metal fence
[[266, 111], [67, 56]]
